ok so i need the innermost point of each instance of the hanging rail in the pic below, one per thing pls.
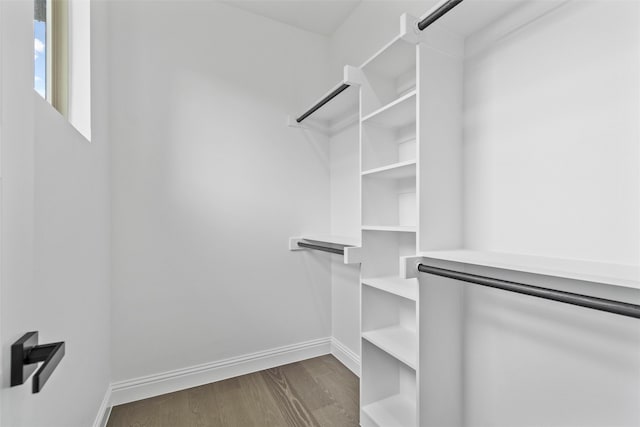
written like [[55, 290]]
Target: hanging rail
[[438, 13], [323, 101], [610, 306], [321, 248]]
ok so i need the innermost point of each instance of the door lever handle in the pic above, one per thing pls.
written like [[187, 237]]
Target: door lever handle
[[26, 354]]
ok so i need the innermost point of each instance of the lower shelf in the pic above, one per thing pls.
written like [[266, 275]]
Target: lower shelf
[[397, 341], [405, 288], [401, 228], [396, 410]]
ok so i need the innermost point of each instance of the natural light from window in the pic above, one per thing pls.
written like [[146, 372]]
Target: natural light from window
[[40, 48]]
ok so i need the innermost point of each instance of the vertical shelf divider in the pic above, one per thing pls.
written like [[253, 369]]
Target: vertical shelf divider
[[389, 167]]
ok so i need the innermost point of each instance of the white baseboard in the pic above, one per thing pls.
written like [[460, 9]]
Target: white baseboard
[[104, 411], [347, 357], [180, 379]]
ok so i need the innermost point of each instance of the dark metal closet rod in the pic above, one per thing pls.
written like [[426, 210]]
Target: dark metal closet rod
[[323, 101], [610, 306], [321, 248], [438, 13]]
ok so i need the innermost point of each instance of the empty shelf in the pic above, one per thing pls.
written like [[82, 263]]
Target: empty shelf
[[399, 170], [397, 411], [397, 113], [335, 240], [401, 228], [397, 341], [392, 60], [405, 288]]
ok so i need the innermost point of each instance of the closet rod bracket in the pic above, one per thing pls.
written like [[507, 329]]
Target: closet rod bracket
[[409, 266], [409, 31]]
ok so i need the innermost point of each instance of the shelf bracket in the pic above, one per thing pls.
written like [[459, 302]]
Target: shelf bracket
[[409, 266], [293, 244], [353, 76], [26, 354], [353, 255], [409, 28]]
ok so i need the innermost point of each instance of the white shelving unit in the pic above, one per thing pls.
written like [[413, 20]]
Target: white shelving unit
[[389, 315]]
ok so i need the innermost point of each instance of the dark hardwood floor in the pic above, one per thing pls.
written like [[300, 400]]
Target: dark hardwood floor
[[314, 392]]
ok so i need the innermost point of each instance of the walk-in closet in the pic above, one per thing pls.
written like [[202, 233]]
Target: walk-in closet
[[324, 213]]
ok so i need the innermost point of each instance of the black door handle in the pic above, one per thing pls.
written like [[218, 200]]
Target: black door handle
[[26, 353]]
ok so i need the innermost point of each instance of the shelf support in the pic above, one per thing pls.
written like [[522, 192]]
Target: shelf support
[[409, 266], [353, 255]]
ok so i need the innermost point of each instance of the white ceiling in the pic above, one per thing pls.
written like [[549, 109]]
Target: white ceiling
[[318, 16]]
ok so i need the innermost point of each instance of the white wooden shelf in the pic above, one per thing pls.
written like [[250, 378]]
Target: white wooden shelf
[[394, 411], [350, 245], [392, 60], [399, 170], [397, 341], [397, 113], [335, 240], [405, 288], [400, 228], [611, 274]]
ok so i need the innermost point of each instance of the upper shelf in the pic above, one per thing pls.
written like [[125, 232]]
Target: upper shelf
[[394, 59], [334, 240], [400, 228], [350, 246], [611, 274], [397, 113], [398, 170]]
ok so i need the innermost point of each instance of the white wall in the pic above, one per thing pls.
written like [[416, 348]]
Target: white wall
[[345, 221], [55, 235], [551, 137], [551, 168], [209, 183]]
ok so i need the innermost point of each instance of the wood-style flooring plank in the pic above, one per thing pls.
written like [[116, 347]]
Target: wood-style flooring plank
[[305, 386], [263, 407], [292, 408]]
